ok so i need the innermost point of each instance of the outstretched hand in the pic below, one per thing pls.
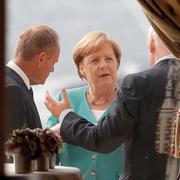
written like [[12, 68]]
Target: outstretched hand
[[56, 107]]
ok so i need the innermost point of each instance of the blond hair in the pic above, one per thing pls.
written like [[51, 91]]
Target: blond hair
[[34, 40], [91, 42]]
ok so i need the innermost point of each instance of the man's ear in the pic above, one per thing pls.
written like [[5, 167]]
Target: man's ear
[[41, 58], [152, 46]]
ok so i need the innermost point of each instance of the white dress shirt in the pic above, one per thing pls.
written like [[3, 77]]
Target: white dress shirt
[[19, 71], [170, 56]]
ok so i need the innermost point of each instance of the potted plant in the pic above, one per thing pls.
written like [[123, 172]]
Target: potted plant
[[25, 146], [51, 144]]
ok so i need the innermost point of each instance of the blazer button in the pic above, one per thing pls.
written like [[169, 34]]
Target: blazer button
[[93, 156], [93, 173]]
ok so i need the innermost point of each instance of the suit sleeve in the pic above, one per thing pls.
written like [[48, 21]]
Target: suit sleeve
[[15, 108], [112, 130]]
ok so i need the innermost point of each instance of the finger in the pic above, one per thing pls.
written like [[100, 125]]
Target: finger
[[47, 93], [64, 95], [46, 96], [48, 101]]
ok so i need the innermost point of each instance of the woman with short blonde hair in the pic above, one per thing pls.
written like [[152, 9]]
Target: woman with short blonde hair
[[97, 58]]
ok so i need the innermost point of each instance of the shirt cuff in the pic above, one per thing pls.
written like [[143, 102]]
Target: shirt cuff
[[63, 114]]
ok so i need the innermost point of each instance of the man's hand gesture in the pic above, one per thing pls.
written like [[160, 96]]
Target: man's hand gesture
[[56, 107]]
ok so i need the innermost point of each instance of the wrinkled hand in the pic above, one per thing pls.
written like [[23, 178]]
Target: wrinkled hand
[[56, 107]]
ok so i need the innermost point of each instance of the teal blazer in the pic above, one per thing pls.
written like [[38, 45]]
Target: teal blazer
[[93, 166]]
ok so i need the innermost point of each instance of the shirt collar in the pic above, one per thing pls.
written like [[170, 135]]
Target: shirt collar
[[19, 71], [164, 58]]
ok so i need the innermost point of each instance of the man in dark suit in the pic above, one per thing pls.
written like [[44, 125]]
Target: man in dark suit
[[36, 53], [133, 121]]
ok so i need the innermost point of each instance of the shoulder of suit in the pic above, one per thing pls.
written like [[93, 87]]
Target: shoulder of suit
[[14, 90], [134, 83], [136, 77]]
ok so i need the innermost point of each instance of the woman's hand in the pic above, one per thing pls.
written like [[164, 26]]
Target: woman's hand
[[56, 129], [56, 107]]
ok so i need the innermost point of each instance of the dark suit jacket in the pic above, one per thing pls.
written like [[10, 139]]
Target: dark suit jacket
[[132, 121], [20, 106]]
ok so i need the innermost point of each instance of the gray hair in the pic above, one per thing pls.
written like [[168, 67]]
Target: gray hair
[[152, 35]]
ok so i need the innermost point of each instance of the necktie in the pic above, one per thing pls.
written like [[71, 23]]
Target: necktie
[[31, 92]]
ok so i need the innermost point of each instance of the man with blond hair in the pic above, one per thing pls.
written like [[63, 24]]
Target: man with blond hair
[[36, 53]]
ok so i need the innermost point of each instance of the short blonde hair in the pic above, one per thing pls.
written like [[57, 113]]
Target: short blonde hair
[[34, 40], [90, 43]]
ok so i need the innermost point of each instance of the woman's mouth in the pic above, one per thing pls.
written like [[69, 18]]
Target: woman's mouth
[[103, 75]]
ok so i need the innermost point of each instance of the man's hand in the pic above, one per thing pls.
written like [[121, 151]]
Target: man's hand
[[56, 107]]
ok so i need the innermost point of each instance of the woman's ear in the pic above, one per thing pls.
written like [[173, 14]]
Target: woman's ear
[[81, 70], [41, 58]]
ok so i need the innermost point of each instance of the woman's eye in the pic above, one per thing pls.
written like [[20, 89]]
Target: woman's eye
[[109, 59], [94, 60]]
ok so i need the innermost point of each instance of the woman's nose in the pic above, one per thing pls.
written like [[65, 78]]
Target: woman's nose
[[103, 64]]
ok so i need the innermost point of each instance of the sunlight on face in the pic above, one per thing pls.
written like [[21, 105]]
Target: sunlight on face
[[100, 67]]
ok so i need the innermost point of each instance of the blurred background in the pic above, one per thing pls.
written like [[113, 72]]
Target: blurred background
[[123, 20]]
